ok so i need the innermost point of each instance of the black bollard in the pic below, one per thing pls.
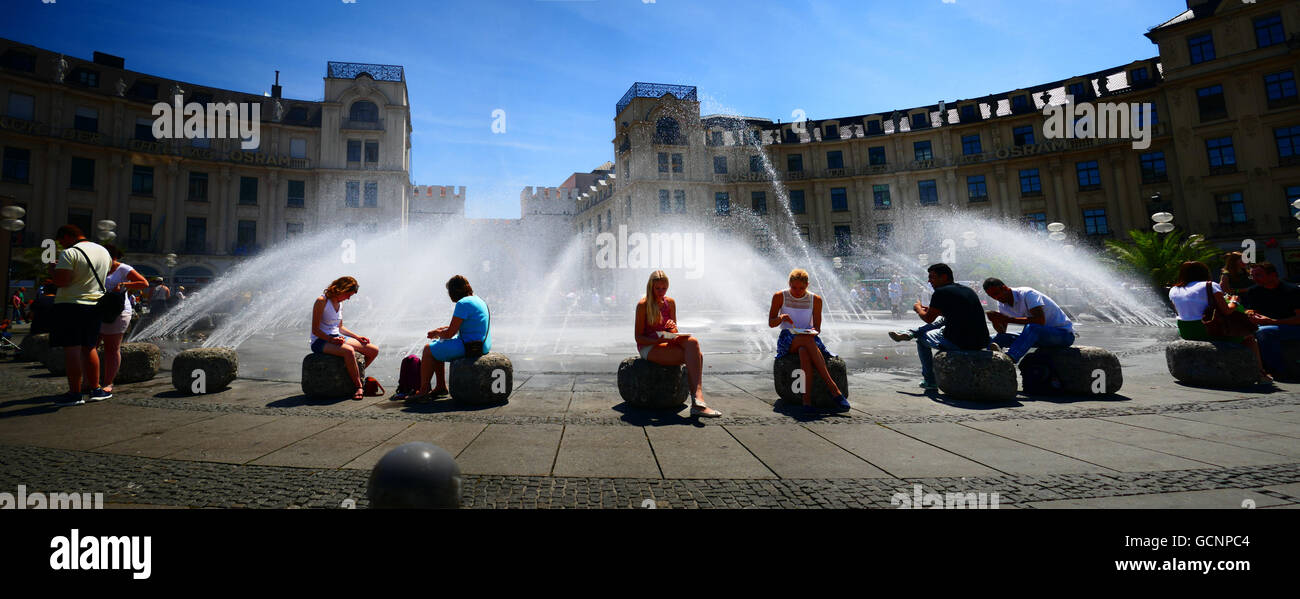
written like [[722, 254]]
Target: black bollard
[[415, 475]]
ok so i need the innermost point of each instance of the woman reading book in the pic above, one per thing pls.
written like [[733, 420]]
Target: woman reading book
[[799, 314], [658, 341]]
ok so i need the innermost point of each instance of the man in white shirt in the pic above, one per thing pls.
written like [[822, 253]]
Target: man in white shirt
[[1046, 325]]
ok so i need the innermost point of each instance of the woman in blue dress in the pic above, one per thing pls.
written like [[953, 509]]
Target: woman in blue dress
[[469, 324]]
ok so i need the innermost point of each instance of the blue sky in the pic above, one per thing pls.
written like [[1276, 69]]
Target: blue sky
[[558, 67]]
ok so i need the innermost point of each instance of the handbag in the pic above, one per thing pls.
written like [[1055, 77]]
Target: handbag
[[1232, 324], [372, 387], [111, 303], [474, 349]]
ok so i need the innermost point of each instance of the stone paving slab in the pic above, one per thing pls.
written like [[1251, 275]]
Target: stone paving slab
[[605, 452], [1283, 413], [537, 403], [1215, 499], [259, 441], [548, 382], [451, 436], [994, 451], [792, 451], [1076, 438], [1198, 450], [899, 455], [173, 440], [703, 452], [334, 446], [1250, 423], [91, 425], [1274, 444], [512, 449]]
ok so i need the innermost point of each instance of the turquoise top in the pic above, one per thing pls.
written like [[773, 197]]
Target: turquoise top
[[474, 312]]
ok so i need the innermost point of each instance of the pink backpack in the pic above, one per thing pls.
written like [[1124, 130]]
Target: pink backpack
[[408, 379]]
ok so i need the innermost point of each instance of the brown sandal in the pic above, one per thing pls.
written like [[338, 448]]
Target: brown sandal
[[360, 394]]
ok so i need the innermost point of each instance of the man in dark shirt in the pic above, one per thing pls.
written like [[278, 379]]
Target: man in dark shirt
[[962, 328], [1274, 305]]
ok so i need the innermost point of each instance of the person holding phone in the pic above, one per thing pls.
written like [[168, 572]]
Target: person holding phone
[[329, 336], [656, 313]]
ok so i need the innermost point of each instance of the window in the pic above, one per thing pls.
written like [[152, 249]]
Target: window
[[142, 180], [928, 191], [794, 163], [353, 198], [144, 90], [839, 199], [1138, 76], [921, 120], [1210, 102], [292, 230], [372, 151], [196, 234], [198, 187], [1201, 48], [1094, 222], [977, 188], [296, 114], [297, 148], [86, 77], [1268, 31], [970, 144], [668, 132], [1023, 136], [758, 200], [354, 150], [364, 111], [883, 232], [1078, 90], [139, 231], [1020, 104], [1036, 221], [720, 165], [715, 138], [20, 61], [246, 237], [755, 163], [248, 191], [144, 130], [372, 194], [297, 194], [1153, 167], [880, 195], [665, 206], [969, 113], [663, 162], [22, 106], [1089, 175], [796, 202], [83, 173], [876, 155], [1232, 209], [677, 163], [1030, 184], [873, 128], [1145, 110], [922, 150], [1221, 153], [722, 201], [832, 132], [81, 217], [835, 159], [843, 240], [1280, 88], [1288, 143], [679, 201], [86, 119]]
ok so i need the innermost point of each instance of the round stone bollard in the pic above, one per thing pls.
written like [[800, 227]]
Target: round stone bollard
[[485, 380], [34, 347], [1081, 369], [976, 375], [415, 475], [55, 361], [1212, 363], [140, 362], [218, 367], [644, 384], [326, 377], [790, 387], [1290, 360]]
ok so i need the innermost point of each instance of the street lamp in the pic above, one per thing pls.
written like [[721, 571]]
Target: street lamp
[[170, 261], [13, 223], [1057, 231], [106, 233], [1163, 222]]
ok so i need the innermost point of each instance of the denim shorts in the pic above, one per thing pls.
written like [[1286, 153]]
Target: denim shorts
[[318, 346]]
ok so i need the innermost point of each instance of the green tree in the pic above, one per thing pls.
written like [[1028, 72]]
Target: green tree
[[1157, 256]]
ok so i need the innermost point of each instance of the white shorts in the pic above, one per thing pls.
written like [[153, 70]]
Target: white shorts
[[117, 327], [645, 352]]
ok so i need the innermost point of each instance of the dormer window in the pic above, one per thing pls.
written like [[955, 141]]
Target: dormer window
[[831, 132], [364, 111], [1020, 104], [1076, 90], [873, 128], [970, 112], [144, 90], [86, 77], [921, 120], [20, 61], [297, 113]]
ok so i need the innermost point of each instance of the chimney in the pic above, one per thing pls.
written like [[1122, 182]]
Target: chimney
[[275, 89], [109, 60]]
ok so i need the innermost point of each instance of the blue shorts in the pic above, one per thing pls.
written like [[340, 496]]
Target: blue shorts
[[446, 350], [786, 338], [318, 346]]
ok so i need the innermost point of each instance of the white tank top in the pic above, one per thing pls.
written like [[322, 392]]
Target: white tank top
[[330, 319], [800, 310]]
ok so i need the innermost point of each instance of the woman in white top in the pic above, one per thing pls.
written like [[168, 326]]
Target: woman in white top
[[797, 308], [1191, 300], [329, 336], [121, 277]]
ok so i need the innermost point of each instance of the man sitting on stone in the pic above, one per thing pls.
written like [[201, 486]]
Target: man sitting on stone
[[1046, 325], [1274, 305], [962, 327]]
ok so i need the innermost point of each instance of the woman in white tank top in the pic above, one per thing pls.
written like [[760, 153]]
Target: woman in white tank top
[[329, 336], [798, 313]]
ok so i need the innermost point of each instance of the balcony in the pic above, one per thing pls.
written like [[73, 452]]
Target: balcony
[[351, 125], [1292, 160], [195, 247], [836, 172], [247, 249], [1218, 229], [1150, 178], [794, 175], [1283, 102], [1037, 193], [146, 246], [982, 198], [352, 70], [1226, 169], [1093, 187], [655, 90], [748, 177]]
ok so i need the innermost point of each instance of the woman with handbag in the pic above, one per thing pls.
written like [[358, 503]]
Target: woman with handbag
[[468, 336], [121, 278], [1203, 315]]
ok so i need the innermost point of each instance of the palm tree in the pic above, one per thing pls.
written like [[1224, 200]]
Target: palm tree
[[1157, 256]]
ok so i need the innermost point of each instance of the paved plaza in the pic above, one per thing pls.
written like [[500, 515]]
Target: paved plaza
[[566, 440]]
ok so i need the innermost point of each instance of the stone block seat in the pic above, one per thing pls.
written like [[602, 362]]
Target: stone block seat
[[34, 347], [976, 375], [783, 377], [1076, 368], [220, 366], [644, 384], [485, 380], [326, 377], [140, 362], [1212, 363]]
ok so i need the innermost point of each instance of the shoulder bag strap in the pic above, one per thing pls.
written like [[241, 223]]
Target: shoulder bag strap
[[92, 269]]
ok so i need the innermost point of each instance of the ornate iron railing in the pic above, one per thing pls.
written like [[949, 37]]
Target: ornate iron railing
[[655, 90], [378, 72]]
